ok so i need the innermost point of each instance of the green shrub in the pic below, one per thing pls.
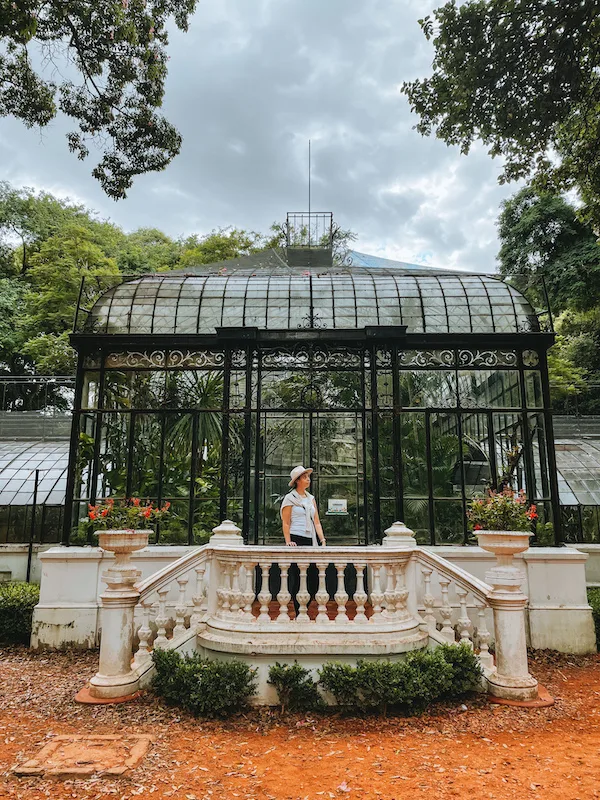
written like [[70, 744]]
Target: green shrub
[[17, 601], [408, 685], [466, 669], [340, 681], [295, 687], [593, 596], [205, 688]]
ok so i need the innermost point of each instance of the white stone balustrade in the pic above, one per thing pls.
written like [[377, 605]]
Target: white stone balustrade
[[235, 599]]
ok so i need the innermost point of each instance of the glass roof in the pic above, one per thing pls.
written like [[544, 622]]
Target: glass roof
[[264, 291], [578, 465], [18, 463]]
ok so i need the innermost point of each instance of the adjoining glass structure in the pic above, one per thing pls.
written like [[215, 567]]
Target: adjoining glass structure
[[407, 389]]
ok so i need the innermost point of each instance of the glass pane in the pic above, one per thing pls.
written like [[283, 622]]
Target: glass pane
[[416, 516], [285, 443], [146, 456], [445, 455], [414, 454], [533, 389], [508, 441], [449, 522], [386, 457], [91, 386], [340, 528], [489, 388], [133, 390], [476, 455], [113, 455], [194, 389], [338, 449], [428, 388], [177, 455]]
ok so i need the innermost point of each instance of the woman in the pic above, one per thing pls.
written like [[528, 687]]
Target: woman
[[301, 528], [299, 515]]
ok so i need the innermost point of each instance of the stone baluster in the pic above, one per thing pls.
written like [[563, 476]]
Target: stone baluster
[[284, 596], [198, 598], [264, 597], [389, 594], [225, 591], [446, 611], [181, 607], [142, 654], [464, 623], [428, 601], [376, 593], [322, 595], [341, 596], [360, 596], [486, 659], [401, 593], [161, 618], [236, 592], [248, 593], [303, 597]]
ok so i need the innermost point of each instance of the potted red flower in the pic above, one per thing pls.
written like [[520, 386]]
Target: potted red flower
[[502, 522], [122, 525]]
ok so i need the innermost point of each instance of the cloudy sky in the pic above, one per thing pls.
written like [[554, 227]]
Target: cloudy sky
[[248, 85]]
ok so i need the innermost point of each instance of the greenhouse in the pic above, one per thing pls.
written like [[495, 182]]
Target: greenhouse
[[408, 390]]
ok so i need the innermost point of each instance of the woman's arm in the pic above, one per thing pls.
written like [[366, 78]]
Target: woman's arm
[[286, 521], [318, 526]]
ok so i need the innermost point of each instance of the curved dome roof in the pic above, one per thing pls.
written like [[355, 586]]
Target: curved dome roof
[[264, 291]]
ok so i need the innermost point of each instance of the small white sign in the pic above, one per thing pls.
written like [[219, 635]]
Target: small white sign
[[337, 506]]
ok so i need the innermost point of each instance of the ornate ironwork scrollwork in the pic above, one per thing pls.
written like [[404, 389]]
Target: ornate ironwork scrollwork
[[314, 357], [530, 358], [313, 320], [487, 358], [159, 359], [426, 358]]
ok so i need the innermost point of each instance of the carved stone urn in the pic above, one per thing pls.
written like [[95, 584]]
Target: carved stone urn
[[511, 680], [115, 677]]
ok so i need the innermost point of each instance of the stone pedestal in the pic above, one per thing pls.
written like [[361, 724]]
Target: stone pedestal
[[511, 680], [228, 534], [399, 536], [115, 677]]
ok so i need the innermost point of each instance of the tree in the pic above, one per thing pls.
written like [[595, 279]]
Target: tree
[[147, 250], [30, 219], [55, 279], [117, 50], [541, 236], [11, 307], [523, 77], [219, 245]]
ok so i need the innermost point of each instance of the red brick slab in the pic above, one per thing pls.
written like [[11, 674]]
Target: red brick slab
[[78, 756], [543, 700], [85, 696]]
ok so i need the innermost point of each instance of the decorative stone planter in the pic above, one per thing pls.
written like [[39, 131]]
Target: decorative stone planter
[[115, 677], [512, 680]]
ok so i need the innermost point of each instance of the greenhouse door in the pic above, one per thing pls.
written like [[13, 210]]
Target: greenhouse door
[[332, 443]]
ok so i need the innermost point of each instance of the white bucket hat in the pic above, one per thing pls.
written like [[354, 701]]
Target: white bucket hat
[[296, 472]]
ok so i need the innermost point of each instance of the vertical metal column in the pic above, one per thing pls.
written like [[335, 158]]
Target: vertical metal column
[[553, 474], [73, 447], [224, 488]]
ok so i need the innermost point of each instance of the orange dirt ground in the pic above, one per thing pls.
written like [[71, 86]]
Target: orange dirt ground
[[482, 752]]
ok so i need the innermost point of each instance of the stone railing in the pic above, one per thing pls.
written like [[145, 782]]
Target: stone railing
[[227, 597]]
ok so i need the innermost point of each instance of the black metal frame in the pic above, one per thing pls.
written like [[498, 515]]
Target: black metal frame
[[246, 347]]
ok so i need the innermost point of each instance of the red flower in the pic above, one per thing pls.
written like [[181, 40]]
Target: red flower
[[93, 515], [477, 528], [104, 512], [147, 512], [136, 501]]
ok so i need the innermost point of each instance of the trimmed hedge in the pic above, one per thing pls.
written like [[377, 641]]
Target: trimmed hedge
[[17, 601], [218, 688], [593, 596], [205, 688], [409, 685], [295, 687]]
